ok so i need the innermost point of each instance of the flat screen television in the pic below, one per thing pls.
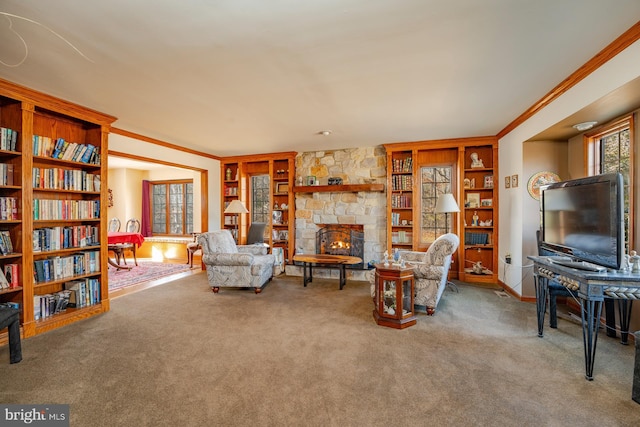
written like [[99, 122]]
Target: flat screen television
[[584, 219]]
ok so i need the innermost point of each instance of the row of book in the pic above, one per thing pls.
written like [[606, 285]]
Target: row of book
[[58, 267], [476, 238], [8, 139], [76, 294], [230, 220], [6, 246], [10, 276], [56, 238], [8, 208], [396, 219], [401, 201], [402, 182], [401, 237], [65, 179], [402, 165], [6, 173], [59, 148], [51, 209]]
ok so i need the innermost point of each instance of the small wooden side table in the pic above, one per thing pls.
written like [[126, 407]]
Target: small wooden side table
[[394, 294]]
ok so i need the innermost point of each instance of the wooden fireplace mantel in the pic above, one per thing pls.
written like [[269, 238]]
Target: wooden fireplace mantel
[[345, 188]]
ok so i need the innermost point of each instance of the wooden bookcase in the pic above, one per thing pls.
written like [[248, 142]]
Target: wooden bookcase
[[404, 162], [479, 209], [400, 199], [57, 202], [280, 168]]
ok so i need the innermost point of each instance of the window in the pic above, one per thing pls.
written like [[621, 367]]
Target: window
[[434, 181], [611, 150], [260, 185], [172, 207]]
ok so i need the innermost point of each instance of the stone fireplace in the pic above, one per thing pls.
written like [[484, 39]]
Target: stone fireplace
[[364, 209], [341, 239]]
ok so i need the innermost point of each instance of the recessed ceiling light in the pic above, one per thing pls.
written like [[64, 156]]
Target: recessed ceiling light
[[324, 132], [585, 126]]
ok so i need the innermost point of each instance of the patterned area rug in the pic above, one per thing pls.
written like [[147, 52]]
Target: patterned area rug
[[144, 272]]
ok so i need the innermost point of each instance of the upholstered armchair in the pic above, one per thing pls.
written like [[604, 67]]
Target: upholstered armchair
[[430, 273], [431, 270], [231, 265]]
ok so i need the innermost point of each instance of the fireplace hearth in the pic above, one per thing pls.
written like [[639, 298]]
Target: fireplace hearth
[[341, 239]]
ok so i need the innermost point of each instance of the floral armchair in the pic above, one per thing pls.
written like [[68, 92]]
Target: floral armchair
[[431, 270], [231, 265]]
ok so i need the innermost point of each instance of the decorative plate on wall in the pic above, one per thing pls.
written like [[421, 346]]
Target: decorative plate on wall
[[538, 180]]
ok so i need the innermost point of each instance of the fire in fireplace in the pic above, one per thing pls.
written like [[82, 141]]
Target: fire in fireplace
[[341, 239]]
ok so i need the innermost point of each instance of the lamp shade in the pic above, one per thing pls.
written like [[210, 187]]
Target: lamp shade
[[236, 207], [446, 204]]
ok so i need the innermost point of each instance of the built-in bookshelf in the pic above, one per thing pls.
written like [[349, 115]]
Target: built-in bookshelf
[[52, 217], [400, 199], [236, 173], [472, 185], [478, 208]]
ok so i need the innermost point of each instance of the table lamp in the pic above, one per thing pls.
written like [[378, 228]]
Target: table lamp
[[236, 207], [446, 204]]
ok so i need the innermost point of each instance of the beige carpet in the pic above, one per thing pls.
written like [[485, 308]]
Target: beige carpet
[[178, 355]]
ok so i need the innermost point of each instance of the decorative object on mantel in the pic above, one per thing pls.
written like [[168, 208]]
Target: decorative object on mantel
[[335, 181], [354, 188], [538, 180], [110, 198]]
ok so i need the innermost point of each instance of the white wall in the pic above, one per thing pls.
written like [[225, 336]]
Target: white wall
[[126, 197], [148, 150], [615, 73]]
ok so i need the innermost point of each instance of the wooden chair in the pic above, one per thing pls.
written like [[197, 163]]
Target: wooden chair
[[132, 226], [114, 224], [192, 248]]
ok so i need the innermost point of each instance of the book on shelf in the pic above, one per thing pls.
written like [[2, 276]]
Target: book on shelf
[[8, 139], [4, 283], [11, 274]]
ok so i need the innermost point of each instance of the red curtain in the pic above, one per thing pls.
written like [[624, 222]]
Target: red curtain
[[145, 221]]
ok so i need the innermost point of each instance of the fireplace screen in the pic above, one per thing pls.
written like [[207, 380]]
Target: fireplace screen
[[341, 240]]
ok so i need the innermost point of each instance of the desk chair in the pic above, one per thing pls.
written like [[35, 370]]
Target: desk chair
[[555, 288], [256, 233]]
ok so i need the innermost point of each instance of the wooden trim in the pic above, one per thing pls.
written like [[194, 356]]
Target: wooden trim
[[48, 102], [133, 135], [338, 188], [435, 144], [259, 157], [614, 48], [152, 160]]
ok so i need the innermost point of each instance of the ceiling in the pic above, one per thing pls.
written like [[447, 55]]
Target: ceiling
[[231, 77]]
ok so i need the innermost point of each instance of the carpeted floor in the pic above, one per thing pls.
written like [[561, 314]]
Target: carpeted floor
[[177, 354], [143, 272]]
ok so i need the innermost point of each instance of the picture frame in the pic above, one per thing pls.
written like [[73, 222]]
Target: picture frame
[[507, 182], [486, 203], [473, 200], [467, 183], [488, 181], [283, 235], [277, 217], [275, 235], [514, 181], [311, 180], [282, 187]]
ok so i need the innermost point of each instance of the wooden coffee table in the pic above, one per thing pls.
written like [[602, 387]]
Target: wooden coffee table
[[326, 261]]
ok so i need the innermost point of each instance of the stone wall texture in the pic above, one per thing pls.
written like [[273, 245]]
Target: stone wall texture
[[365, 165]]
